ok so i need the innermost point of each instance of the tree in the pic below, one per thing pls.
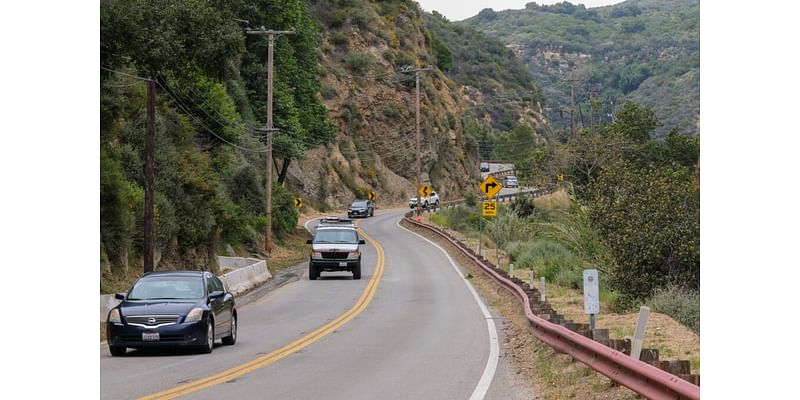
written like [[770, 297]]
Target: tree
[[650, 218], [591, 152], [635, 121]]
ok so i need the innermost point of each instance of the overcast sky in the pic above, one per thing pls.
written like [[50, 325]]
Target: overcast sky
[[456, 10]]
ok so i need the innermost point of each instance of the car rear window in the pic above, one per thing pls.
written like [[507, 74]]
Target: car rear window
[[167, 287]]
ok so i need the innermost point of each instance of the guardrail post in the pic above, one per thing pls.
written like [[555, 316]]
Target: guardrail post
[[511, 270], [638, 337]]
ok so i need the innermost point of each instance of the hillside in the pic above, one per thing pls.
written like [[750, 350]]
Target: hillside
[[344, 110], [647, 51]]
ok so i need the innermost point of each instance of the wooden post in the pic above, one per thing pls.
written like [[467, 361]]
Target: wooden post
[[638, 337]]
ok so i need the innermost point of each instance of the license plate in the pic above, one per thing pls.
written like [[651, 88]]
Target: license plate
[[342, 264], [150, 337]]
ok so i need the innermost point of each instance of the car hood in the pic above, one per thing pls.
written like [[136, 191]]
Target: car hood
[[335, 247], [158, 307]]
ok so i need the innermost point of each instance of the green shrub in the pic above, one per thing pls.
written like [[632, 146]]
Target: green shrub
[[470, 199], [339, 38], [359, 63], [680, 303]]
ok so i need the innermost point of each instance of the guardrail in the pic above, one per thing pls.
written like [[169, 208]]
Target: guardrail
[[502, 173], [636, 375]]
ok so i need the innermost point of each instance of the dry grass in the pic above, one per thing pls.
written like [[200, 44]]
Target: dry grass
[[558, 201]]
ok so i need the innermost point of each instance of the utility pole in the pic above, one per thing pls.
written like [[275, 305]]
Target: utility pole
[[149, 178], [574, 107], [419, 149], [271, 37]]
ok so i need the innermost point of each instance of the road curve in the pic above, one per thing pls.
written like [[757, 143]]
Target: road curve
[[423, 335]]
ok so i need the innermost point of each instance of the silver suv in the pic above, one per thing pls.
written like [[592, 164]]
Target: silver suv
[[335, 247]]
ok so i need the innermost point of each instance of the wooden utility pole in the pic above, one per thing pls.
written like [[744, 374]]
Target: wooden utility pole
[[574, 106], [149, 178], [268, 187], [419, 145]]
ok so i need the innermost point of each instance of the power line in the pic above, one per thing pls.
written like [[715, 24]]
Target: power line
[[123, 73], [200, 122]]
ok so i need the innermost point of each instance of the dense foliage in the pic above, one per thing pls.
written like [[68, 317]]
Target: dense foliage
[[211, 94], [647, 51]]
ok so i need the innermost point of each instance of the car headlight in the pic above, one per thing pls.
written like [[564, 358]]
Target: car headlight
[[353, 255], [195, 315], [316, 254], [113, 316]]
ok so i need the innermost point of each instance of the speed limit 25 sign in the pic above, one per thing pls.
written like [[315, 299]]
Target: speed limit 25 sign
[[489, 209]]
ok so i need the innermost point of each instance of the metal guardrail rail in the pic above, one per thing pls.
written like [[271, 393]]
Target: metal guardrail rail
[[636, 375]]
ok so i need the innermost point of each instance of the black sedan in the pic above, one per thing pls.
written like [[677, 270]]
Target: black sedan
[[361, 208], [173, 309]]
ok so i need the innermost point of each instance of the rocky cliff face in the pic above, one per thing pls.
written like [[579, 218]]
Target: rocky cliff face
[[373, 104]]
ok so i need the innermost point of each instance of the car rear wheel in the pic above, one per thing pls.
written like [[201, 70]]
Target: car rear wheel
[[117, 351], [209, 346], [357, 271], [230, 340]]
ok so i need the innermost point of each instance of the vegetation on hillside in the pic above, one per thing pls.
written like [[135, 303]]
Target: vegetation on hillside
[[647, 51], [634, 212], [211, 94]]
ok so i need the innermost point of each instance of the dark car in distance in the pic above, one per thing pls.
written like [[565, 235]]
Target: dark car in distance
[[188, 309], [361, 208]]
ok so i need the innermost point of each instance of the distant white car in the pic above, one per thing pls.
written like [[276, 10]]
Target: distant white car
[[432, 200], [511, 182]]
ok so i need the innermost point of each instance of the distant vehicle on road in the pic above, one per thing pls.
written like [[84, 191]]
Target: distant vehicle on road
[[334, 248], [510, 182], [173, 309], [432, 200], [484, 167], [361, 208]]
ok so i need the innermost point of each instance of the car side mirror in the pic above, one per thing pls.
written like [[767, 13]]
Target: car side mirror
[[361, 241], [308, 241], [216, 294], [119, 296]]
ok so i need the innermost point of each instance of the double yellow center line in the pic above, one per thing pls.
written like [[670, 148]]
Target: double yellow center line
[[305, 341]]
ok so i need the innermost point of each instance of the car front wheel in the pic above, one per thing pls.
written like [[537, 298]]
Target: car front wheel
[[313, 273], [117, 351], [209, 346], [357, 271]]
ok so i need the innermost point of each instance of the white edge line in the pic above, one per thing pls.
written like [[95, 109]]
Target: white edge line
[[494, 346]]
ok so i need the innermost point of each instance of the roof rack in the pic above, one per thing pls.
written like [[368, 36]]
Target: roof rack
[[333, 220]]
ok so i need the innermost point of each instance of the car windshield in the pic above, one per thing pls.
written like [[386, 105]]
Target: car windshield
[[167, 287], [359, 204], [336, 236]]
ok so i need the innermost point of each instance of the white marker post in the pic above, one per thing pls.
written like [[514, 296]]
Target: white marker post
[[532, 279], [511, 270], [541, 290], [591, 294], [638, 337]]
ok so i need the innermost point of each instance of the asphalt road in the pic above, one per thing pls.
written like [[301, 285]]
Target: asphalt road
[[423, 335]]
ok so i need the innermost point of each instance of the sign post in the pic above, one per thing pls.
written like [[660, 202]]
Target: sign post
[[424, 191], [489, 188], [591, 294]]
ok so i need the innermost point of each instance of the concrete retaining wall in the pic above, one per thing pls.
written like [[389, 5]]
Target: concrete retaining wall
[[248, 273]]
